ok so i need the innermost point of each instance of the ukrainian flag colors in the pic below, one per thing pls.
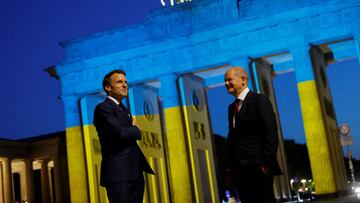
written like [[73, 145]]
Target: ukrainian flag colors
[[316, 139]]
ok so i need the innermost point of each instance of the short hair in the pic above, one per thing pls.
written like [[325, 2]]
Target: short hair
[[240, 71], [106, 80]]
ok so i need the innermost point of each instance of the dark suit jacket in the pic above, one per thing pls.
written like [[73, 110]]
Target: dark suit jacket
[[254, 140], [122, 159]]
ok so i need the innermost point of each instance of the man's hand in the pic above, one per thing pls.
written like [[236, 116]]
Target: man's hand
[[228, 178], [134, 123], [265, 169]]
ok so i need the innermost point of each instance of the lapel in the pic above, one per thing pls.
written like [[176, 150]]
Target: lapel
[[245, 104], [121, 113]]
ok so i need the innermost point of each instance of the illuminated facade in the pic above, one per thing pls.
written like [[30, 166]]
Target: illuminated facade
[[179, 51], [34, 170]]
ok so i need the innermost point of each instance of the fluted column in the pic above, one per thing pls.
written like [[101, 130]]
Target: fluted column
[[176, 143], [58, 182], [75, 151], [29, 180], [8, 183], [1, 183], [314, 125], [45, 182]]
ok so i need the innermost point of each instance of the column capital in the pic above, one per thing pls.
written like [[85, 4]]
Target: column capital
[[168, 90], [302, 62], [6, 160], [44, 163], [300, 46], [357, 37], [357, 43], [72, 110], [168, 77]]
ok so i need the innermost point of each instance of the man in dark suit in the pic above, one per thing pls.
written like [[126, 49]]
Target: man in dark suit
[[252, 140], [122, 162]]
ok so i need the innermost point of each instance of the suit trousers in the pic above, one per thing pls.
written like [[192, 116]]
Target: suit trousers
[[254, 185], [126, 191]]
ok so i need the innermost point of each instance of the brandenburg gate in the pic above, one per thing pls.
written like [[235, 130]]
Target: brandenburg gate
[[179, 52]]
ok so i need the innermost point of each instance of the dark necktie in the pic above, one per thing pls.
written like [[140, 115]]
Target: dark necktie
[[123, 107], [238, 103]]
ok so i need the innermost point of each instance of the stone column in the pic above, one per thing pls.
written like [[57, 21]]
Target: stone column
[[58, 182], [314, 125], [75, 151], [29, 175], [1, 183], [179, 172], [8, 182], [45, 182]]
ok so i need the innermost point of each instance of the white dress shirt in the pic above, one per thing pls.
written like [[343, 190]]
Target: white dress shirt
[[241, 96], [114, 100]]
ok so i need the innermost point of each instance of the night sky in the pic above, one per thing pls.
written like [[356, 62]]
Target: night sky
[[29, 43]]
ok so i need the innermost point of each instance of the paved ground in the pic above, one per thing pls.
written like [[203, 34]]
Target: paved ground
[[348, 199]]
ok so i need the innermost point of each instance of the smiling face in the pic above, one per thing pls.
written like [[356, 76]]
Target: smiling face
[[235, 80], [118, 87]]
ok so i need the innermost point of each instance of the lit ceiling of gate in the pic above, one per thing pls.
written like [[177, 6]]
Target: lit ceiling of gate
[[214, 77], [340, 49], [283, 62]]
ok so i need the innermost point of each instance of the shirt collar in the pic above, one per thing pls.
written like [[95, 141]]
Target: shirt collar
[[113, 99], [243, 94]]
